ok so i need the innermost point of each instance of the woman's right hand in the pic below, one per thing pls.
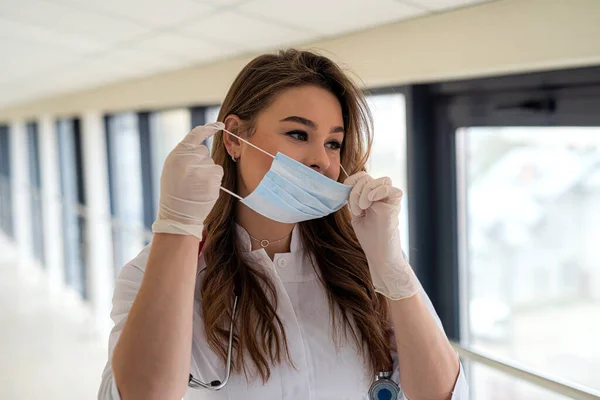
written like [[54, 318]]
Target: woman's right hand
[[189, 185], [154, 294]]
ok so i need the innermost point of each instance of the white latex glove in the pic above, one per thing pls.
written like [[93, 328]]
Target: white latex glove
[[189, 185], [375, 207]]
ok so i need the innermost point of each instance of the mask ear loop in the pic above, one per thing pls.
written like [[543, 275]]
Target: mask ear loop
[[259, 149], [250, 144], [344, 171]]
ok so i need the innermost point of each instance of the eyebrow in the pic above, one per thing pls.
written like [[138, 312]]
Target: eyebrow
[[310, 124]]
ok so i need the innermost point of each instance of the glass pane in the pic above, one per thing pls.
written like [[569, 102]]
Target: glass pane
[[35, 187], [388, 154], [72, 218], [529, 200], [126, 181], [210, 115], [491, 384], [167, 128]]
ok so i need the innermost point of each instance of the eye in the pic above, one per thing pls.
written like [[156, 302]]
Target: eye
[[334, 145], [298, 135]]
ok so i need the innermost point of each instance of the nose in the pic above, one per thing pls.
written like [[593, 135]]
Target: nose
[[319, 159]]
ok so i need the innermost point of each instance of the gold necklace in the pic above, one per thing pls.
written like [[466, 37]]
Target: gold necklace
[[265, 243]]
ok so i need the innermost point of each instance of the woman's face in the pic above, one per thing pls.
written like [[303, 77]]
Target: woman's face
[[304, 123]]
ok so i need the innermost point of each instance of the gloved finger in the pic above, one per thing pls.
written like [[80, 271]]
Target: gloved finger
[[188, 148], [364, 201], [379, 193], [395, 193], [388, 193], [385, 191], [208, 170], [200, 133], [355, 194], [180, 159], [351, 180], [210, 177]]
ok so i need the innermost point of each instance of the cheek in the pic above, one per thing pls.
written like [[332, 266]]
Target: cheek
[[252, 170], [334, 174], [334, 171]]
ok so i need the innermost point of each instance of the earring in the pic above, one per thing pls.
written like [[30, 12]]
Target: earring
[[233, 158]]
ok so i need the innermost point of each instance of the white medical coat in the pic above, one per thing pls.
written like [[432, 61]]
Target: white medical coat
[[323, 372]]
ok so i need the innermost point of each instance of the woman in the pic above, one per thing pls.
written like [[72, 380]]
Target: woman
[[319, 295]]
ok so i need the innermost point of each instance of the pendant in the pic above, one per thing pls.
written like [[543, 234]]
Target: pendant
[[264, 243]]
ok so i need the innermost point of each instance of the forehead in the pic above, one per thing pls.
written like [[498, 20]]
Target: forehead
[[311, 102]]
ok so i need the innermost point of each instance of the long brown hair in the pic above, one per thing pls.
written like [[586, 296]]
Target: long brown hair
[[259, 336]]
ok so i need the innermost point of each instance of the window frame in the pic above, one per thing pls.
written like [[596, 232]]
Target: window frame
[[434, 112], [568, 97]]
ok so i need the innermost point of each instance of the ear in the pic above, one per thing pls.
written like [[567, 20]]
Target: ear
[[233, 145]]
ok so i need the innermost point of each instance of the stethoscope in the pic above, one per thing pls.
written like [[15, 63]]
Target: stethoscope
[[383, 388]]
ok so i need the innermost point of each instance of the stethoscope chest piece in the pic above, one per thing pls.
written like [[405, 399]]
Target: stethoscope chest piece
[[384, 388]]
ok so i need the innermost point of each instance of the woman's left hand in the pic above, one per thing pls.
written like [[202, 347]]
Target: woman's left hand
[[375, 207]]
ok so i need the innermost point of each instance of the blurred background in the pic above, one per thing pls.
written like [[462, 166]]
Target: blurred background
[[486, 113]]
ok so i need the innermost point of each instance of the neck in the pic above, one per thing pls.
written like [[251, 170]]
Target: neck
[[263, 228]]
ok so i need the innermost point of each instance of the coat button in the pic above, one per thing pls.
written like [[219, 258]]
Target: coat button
[[282, 263]]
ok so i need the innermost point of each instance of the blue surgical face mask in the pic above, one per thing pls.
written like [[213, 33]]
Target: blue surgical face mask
[[291, 192]]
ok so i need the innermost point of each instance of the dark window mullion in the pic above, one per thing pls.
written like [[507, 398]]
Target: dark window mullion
[[432, 199], [146, 162], [198, 116], [109, 163], [6, 212]]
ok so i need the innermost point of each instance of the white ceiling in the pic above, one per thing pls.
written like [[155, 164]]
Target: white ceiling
[[53, 46]]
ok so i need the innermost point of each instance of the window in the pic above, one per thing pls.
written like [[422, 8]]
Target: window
[[504, 174], [516, 188], [167, 129], [73, 202], [35, 190], [210, 115], [202, 116], [388, 154], [6, 219], [126, 191], [531, 197]]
